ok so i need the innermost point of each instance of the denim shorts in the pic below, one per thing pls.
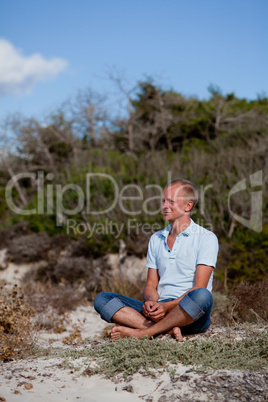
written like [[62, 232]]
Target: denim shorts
[[197, 304]]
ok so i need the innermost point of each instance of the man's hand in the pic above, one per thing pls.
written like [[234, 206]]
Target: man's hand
[[157, 311], [148, 307]]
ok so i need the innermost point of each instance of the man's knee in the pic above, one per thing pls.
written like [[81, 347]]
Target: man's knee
[[107, 304], [100, 301], [203, 298]]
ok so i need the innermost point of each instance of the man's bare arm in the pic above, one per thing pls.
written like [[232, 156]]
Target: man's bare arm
[[150, 290], [150, 293]]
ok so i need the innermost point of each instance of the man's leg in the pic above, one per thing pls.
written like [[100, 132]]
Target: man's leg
[[121, 310], [203, 322], [129, 317], [192, 307], [177, 317]]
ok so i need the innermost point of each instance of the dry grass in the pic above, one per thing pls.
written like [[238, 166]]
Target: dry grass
[[119, 284], [247, 302], [61, 298], [74, 337], [16, 327], [52, 303]]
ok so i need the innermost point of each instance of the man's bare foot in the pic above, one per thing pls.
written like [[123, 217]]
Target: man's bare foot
[[176, 332], [125, 332]]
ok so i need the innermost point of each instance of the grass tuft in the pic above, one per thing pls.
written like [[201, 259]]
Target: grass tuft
[[129, 356]]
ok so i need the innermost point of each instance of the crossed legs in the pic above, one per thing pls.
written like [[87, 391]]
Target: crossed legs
[[192, 313], [176, 318]]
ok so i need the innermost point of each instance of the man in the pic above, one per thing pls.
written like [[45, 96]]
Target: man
[[180, 261]]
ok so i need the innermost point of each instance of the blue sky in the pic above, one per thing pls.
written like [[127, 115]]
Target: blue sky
[[184, 44]]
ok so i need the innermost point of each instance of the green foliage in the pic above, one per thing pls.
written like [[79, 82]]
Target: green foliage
[[39, 223], [3, 205], [129, 356], [245, 256], [214, 142]]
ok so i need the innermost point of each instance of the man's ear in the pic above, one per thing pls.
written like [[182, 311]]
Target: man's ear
[[189, 206]]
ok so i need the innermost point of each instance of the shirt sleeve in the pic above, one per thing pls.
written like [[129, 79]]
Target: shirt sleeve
[[151, 255], [208, 250]]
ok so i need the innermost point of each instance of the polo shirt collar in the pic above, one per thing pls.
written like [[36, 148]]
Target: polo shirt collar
[[166, 230], [186, 232]]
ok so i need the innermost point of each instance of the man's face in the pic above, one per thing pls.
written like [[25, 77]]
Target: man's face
[[174, 204]]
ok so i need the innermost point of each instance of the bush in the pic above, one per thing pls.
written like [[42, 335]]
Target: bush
[[249, 302], [131, 355], [16, 336], [243, 257], [73, 271], [61, 298], [8, 232], [29, 248]]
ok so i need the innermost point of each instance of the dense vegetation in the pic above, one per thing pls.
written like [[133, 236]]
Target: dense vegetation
[[163, 135]]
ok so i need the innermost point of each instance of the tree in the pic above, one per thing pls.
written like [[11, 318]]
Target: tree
[[90, 119]]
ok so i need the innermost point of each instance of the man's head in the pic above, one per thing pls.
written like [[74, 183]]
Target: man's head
[[179, 198], [187, 190]]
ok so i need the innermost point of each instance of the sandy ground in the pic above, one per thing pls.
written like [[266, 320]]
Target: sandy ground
[[45, 379]]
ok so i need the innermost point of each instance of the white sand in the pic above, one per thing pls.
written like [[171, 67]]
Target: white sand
[[51, 383], [54, 384], [85, 317]]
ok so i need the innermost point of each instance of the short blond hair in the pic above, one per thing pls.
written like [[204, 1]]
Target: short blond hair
[[190, 191]]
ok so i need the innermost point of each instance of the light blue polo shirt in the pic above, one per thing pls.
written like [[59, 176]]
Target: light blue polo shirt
[[195, 245]]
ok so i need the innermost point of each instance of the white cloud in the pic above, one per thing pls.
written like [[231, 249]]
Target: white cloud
[[19, 74]]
